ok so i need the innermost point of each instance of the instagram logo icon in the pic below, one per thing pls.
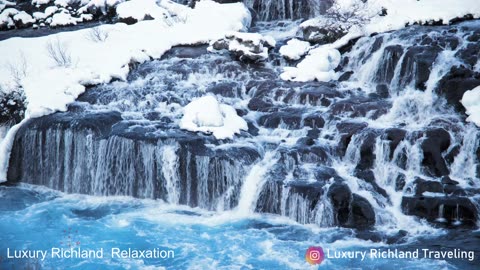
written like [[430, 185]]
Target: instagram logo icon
[[314, 255]]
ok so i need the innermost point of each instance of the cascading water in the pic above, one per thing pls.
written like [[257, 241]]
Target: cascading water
[[382, 155]]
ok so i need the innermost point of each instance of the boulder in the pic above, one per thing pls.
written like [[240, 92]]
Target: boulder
[[437, 141], [457, 81]]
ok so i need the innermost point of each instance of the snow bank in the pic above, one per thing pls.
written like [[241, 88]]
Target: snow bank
[[207, 115], [318, 65], [471, 102], [49, 87], [294, 49]]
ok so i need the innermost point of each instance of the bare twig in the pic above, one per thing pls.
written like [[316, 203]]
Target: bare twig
[[18, 70], [59, 53], [96, 34]]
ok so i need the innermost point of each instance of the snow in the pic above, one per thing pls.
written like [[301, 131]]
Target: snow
[[40, 2], [139, 9], [399, 14], [294, 49], [319, 65], [23, 17], [471, 102], [39, 15], [50, 10], [61, 19], [49, 87], [207, 115]]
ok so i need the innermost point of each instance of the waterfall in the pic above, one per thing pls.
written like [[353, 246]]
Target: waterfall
[[253, 184], [268, 10]]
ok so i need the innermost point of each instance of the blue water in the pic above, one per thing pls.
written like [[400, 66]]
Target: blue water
[[36, 218]]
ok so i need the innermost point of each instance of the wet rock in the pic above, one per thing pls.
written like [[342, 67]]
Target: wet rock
[[291, 119], [367, 147], [382, 91], [345, 76], [346, 130], [437, 141], [417, 64], [340, 196], [313, 121], [257, 104], [469, 54], [225, 89], [369, 177], [400, 182], [395, 136], [457, 81], [398, 238], [322, 31], [391, 57], [246, 47], [457, 211], [12, 107], [360, 107], [422, 186], [362, 213]]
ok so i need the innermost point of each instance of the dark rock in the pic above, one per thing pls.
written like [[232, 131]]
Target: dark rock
[[257, 104], [397, 238], [457, 211], [417, 64], [457, 81], [382, 90], [469, 54], [395, 136], [422, 186], [437, 141], [322, 34], [369, 177], [400, 182], [390, 58], [360, 107], [292, 119], [12, 107], [225, 89], [362, 214], [313, 121], [340, 196], [345, 76]]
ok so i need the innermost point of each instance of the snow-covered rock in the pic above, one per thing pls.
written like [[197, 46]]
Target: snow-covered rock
[[138, 10], [294, 49], [207, 115], [49, 11], [23, 19], [6, 18], [471, 102], [318, 65], [40, 2], [246, 46], [63, 19], [39, 15]]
